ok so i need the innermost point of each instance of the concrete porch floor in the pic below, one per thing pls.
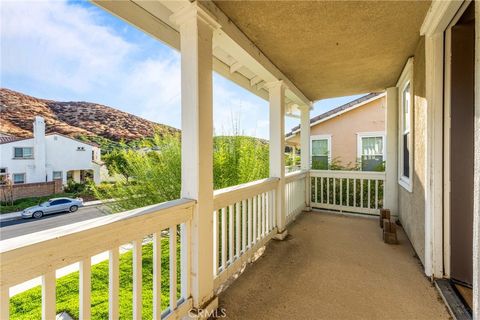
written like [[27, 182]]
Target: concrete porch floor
[[334, 267]]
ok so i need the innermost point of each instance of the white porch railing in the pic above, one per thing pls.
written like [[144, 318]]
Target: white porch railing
[[41, 254], [243, 221], [295, 194], [349, 191]]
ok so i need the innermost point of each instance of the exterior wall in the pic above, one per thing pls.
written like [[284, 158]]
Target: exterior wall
[[62, 154], [344, 128], [26, 166], [27, 190], [412, 204]]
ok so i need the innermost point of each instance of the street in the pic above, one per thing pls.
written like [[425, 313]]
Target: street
[[15, 228]]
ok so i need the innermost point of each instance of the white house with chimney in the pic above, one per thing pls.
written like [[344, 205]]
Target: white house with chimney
[[47, 157]]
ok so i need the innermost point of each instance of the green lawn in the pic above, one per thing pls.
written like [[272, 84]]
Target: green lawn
[[20, 204], [27, 305]]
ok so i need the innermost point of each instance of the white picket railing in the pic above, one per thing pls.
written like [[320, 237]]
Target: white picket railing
[[347, 191], [41, 254], [243, 221], [295, 194]]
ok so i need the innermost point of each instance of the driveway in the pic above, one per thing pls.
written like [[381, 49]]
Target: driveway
[[15, 228]]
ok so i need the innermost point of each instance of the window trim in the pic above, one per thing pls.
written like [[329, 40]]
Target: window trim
[[53, 175], [406, 79], [327, 137], [375, 134], [23, 158], [24, 177]]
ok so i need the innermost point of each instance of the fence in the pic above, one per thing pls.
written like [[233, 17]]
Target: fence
[[349, 191], [42, 253], [26, 190], [244, 221], [295, 194]]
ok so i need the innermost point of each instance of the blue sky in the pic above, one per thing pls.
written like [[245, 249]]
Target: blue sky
[[74, 51]]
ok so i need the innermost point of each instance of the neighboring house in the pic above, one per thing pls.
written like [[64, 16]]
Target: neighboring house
[[351, 134], [47, 157]]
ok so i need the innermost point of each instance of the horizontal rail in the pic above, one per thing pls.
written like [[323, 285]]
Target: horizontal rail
[[298, 175], [348, 174], [226, 196]]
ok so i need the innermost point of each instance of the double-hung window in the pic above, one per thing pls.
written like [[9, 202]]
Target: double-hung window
[[371, 151], [22, 152], [57, 175], [18, 178], [405, 139], [321, 152]]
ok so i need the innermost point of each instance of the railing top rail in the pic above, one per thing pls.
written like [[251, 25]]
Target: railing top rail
[[297, 175], [227, 196], [378, 175], [26, 257]]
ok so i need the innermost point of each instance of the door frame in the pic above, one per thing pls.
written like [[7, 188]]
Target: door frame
[[447, 142], [436, 22]]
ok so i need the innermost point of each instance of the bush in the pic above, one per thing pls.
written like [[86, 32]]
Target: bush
[[152, 173], [75, 187]]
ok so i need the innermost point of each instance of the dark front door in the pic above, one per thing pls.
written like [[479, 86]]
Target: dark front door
[[462, 146]]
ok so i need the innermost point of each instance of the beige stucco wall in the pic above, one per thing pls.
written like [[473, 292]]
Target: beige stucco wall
[[344, 128], [412, 204]]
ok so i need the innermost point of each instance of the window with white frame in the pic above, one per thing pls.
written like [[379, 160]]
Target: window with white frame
[[371, 151], [18, 178], [57, 175], [321, 152], [405, 106], [22, 152]]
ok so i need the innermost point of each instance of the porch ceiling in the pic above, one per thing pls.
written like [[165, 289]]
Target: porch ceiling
[[333, 48]]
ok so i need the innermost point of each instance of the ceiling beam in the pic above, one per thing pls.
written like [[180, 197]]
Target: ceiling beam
[[235, 67]]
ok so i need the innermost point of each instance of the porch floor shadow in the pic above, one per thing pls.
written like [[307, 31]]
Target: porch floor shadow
[[333, 266]]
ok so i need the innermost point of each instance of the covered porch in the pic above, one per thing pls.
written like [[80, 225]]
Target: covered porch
[[323, 265], [334, 266]]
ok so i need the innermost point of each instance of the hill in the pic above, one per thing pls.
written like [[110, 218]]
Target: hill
[[90, 121]]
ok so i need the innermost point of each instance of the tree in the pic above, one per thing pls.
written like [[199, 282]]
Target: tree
[[152, 173]]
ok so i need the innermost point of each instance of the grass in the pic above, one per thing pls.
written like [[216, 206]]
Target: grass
[[28, 304], [20, 204]]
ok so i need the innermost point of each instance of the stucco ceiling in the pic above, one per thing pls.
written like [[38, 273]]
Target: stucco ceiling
[[333, 48]]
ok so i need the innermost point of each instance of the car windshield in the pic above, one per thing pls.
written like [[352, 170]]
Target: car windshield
[[45, 204]]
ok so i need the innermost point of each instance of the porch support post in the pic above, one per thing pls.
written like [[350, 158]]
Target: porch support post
[[305, 149], [434, 44], [277, 151], [391, 160], [196, 34], [476, 190]]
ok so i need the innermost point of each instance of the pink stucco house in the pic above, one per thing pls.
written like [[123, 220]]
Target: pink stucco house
[[351, 135]]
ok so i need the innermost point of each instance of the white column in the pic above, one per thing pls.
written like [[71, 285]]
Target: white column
[[277, 150], [476, 194], [196, 32], [391, 145], [305, 149], [434, 77]]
